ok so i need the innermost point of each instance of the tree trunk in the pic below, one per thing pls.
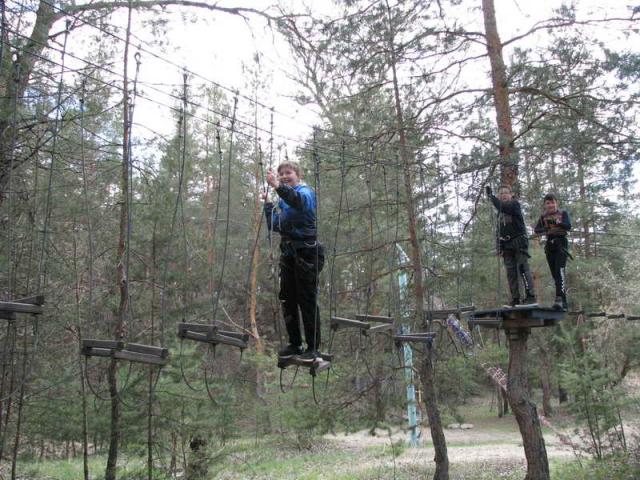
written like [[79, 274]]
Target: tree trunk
[[501, 96], [545, 380], [435, 423], [523, 409], [122, 271]]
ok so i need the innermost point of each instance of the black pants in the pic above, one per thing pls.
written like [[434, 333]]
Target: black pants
[[556, 251], [516, 263], [299, 271]]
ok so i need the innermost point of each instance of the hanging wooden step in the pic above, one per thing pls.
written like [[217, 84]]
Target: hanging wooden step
[[212, 334], [337, 322], [364, 322], [20, 307], [131, 352], [516, 317], [426, 338], [315, 365], [364, 317]]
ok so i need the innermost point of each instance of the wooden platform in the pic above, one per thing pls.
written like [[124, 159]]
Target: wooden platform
[[131, 352], [510, 318], [315, 366], [211, 334]]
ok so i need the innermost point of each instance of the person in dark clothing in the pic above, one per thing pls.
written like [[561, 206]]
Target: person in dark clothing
[[301, 257], [555, 224], [513, 244]]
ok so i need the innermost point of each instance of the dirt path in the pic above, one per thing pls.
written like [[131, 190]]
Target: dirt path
[[477, 445]]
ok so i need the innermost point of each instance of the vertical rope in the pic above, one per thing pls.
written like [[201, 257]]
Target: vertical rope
[[56, 125], [316, 177], [9, 192], [216, 300]]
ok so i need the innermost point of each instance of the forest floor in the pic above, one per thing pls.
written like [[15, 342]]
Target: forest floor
[[491, 450]]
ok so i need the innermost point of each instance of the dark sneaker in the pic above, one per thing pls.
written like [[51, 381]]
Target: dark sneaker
[[310, 354], [558, 304], [290, 351]]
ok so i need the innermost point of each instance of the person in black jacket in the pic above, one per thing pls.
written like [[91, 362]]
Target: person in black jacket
[[513, 244], [555, 224]]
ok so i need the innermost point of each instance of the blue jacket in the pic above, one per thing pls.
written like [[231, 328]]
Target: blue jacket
[[296, 217]]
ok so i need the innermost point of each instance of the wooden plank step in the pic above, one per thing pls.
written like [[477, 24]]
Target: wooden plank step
[[108, 344], [96, 352], [315, 365], [239, 335], [147, 349], [20, 307], [34, 300], [615, 316], [139, 357], [596, 314], [8, 316], [381, 328], [337, 322], [198, 337], [415, 338], [363, 317], [633, 318], [223, 339], [196, 327]]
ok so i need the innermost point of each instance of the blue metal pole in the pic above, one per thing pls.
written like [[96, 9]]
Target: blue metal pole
[[405, 313]]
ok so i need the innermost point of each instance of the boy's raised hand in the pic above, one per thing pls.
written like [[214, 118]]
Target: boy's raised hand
[[272, 179]]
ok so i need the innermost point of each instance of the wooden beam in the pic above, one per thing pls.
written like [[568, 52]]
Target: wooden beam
[[139, 357], [415, 338], [7, 316], [96, 352], [148, 349], [239, 335], [196, 327], [20, 307], [363, 317], [337, 322], [381, 328], [109, 344], [35, 300]]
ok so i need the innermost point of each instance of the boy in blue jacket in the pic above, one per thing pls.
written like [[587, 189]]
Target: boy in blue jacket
[[301, 257], [555, 224]]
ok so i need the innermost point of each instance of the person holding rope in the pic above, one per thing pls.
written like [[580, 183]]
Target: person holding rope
[[513, 244], [301, 257], [555, 224]]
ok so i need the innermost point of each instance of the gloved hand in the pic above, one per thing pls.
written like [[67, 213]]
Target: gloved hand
[[488, 190]]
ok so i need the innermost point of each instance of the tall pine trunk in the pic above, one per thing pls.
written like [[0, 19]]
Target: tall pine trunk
[[121, 271], [521, 405], [435, 423]]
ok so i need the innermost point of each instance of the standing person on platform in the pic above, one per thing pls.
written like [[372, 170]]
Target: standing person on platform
[[301, 257], [555, 224], [513, 244]]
